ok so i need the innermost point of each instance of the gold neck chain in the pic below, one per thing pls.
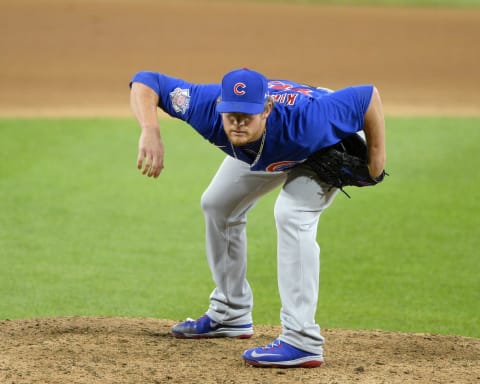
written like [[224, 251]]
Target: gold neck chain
[[260, 150]]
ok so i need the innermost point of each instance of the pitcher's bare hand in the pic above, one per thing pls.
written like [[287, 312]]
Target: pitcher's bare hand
[[144, 102], [150, 153]]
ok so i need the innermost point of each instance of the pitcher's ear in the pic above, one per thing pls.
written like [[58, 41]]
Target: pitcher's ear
[[268, 107]]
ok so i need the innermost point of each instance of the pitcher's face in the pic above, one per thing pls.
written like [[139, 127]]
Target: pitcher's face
[[242, 128]]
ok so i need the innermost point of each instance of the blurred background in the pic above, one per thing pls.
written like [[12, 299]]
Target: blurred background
[[75, 57], [82, 232]]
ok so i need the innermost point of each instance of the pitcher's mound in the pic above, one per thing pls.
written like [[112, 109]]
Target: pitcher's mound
[[125, 350]]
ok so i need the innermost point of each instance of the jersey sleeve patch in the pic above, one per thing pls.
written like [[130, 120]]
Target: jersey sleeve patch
[[180, 99]]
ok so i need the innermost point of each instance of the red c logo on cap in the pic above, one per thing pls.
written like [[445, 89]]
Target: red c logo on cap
[[238, 89]]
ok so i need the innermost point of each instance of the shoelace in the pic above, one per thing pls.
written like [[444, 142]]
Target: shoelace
[[194, 322], [275, 344]]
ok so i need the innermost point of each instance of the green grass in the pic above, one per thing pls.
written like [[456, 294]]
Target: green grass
[[83, 233]]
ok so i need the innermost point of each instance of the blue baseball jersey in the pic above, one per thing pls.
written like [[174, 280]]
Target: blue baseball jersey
[[304, 119]]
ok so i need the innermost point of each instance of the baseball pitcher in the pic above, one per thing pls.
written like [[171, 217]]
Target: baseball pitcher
[[274, 133]]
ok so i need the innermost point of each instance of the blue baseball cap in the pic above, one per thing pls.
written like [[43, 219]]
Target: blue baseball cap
[[244, 91]]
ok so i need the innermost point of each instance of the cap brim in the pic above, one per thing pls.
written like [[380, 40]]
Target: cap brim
[[237, 107]]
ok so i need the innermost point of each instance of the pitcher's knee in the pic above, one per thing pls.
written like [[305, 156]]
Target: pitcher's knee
[[209, 204], [217, 209], [291, 217], [283, 215]]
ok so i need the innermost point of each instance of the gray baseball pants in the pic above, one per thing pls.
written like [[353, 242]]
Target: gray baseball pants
[[233, 191]]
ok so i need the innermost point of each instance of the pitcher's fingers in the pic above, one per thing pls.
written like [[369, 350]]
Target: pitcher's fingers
[[155, 172], [146, 168], [140, 158], [156, 168]]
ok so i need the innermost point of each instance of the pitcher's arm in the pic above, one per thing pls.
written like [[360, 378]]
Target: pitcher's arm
[[374, 129], [144, 104]]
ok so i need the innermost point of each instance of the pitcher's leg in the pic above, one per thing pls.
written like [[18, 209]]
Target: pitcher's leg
[[231, 193], [297, 211]]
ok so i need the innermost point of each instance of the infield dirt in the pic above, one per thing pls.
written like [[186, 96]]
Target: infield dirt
[[122, 350], [75, 58]]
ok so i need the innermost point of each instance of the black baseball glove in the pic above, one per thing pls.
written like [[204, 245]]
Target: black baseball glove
[[344, 164]]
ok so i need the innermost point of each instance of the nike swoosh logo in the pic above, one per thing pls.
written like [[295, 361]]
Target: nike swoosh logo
[[255, 354], [213, 324]]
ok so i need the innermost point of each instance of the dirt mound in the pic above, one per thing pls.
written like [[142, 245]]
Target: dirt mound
[[125, 350]]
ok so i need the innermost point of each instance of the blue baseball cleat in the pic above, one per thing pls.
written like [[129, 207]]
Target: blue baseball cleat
[[281, 355], [205, 327]]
